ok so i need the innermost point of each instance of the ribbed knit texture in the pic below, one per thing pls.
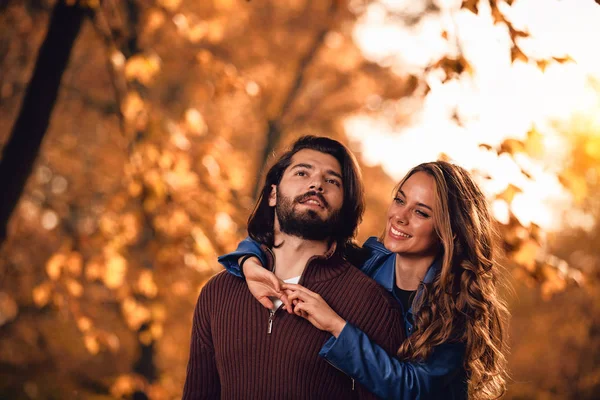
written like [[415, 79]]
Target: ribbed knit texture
[[233, 357]]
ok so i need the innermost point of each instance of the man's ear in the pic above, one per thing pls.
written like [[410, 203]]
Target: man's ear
[[273, 196]]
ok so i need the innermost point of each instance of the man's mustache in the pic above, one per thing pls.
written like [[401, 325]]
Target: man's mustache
[[312, 193]]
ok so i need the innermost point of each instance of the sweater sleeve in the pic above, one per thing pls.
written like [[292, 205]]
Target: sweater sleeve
[[245, 247], [202, 378], [386, 376]]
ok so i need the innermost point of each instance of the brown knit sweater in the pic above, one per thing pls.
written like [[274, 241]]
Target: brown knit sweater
[[233, 355]]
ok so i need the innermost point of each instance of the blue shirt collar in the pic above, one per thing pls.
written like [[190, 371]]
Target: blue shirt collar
[[385, 276]]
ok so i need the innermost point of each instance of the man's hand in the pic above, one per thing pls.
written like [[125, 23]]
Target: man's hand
[[264, 284], [311, 306]]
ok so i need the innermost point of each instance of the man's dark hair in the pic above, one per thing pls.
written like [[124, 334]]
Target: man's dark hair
[[261, 221]]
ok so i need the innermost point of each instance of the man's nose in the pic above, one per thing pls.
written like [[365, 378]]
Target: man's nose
[[317, 185]]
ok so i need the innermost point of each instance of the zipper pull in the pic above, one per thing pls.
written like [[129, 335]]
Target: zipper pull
[[270, 328], [352, 384]]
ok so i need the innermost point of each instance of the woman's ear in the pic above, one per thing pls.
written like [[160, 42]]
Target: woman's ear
[[273, 196]]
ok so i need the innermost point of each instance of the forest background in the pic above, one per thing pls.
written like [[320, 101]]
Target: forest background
[[134, 135]]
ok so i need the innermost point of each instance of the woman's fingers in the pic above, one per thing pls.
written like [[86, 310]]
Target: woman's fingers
[[298, 295], [294, 286], [275, 282], [266, 302], [300, 310]]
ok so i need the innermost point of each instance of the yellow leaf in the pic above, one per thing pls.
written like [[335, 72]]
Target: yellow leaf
[[512, 146], [112, 342], [170, 5], [159, 312], [509, 193], [74, 263], [534, 144], [576, 184], [224, 5], [203, 245], [8, 308], [94, 270], [114, 273], [156, 331], [525, 256], [154, 20], [146, 284], [91, 344], [142, 68], [74, 287], [195, 122], [135, 313], [54, 266], [145, 337], [84, 324], [132, 106], [41, 294]]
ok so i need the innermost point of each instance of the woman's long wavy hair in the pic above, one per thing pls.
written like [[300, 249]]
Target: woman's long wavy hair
[[462, 303]]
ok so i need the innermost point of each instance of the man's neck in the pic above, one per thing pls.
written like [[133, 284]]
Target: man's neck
[[291, 257], [410, 271]]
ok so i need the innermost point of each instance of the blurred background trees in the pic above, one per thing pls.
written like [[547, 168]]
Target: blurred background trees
[[169, 110]]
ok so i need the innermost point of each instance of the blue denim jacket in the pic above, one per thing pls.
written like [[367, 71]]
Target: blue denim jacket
[[441, 376]]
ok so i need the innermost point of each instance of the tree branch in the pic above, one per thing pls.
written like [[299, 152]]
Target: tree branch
[[274, 126]]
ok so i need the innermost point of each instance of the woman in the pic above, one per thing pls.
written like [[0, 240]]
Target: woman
[[436, 257]]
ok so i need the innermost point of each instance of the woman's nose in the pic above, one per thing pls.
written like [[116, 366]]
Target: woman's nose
[[400, 216]]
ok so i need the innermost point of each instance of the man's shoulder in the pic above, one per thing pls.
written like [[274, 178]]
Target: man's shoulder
[[220, 281]]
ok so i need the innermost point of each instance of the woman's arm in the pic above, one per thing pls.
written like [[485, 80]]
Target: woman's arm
[[262, 283], [353, 352], [386, 376], [246, 247]]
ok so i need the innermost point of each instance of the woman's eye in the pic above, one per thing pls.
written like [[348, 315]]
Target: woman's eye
[[398, 200], [301, 173], [422, 214]]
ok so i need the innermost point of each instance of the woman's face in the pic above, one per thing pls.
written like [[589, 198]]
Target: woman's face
[[410, 229]]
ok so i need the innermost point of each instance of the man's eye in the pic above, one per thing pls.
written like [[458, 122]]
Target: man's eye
[[301, 173], [333, 181]]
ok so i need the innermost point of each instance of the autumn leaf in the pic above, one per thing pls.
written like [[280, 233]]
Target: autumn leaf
[[171, 5], [511, 146], [114, 271], [534, 143], [142, 68], [471, 5], [526, 255], [54, 266], [8, 308], [42, 294], [575, 182], [91, 344], [146, 284], [516, 54], [509, 193]]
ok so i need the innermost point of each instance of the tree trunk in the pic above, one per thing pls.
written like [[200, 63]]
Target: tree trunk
[[23, 146]]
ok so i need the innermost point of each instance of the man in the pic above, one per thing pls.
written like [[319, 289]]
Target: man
[[305, 217]]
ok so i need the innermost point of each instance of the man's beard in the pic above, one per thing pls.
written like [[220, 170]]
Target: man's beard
[[307, 224]]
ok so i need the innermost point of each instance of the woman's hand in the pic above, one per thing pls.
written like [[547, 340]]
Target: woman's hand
[[263, 284], [312, 307]]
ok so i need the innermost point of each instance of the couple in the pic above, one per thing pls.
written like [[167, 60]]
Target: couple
[[429, 324]]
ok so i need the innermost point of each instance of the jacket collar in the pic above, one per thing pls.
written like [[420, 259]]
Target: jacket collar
[[386, 275], [318, 268]]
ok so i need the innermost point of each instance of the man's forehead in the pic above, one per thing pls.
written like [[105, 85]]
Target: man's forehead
[[314, 158]]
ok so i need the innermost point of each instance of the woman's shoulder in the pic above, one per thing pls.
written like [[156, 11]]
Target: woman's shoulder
[[369, 257], [373, 245]]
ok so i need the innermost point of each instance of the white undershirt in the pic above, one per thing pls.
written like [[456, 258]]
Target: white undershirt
[[276, 302]]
